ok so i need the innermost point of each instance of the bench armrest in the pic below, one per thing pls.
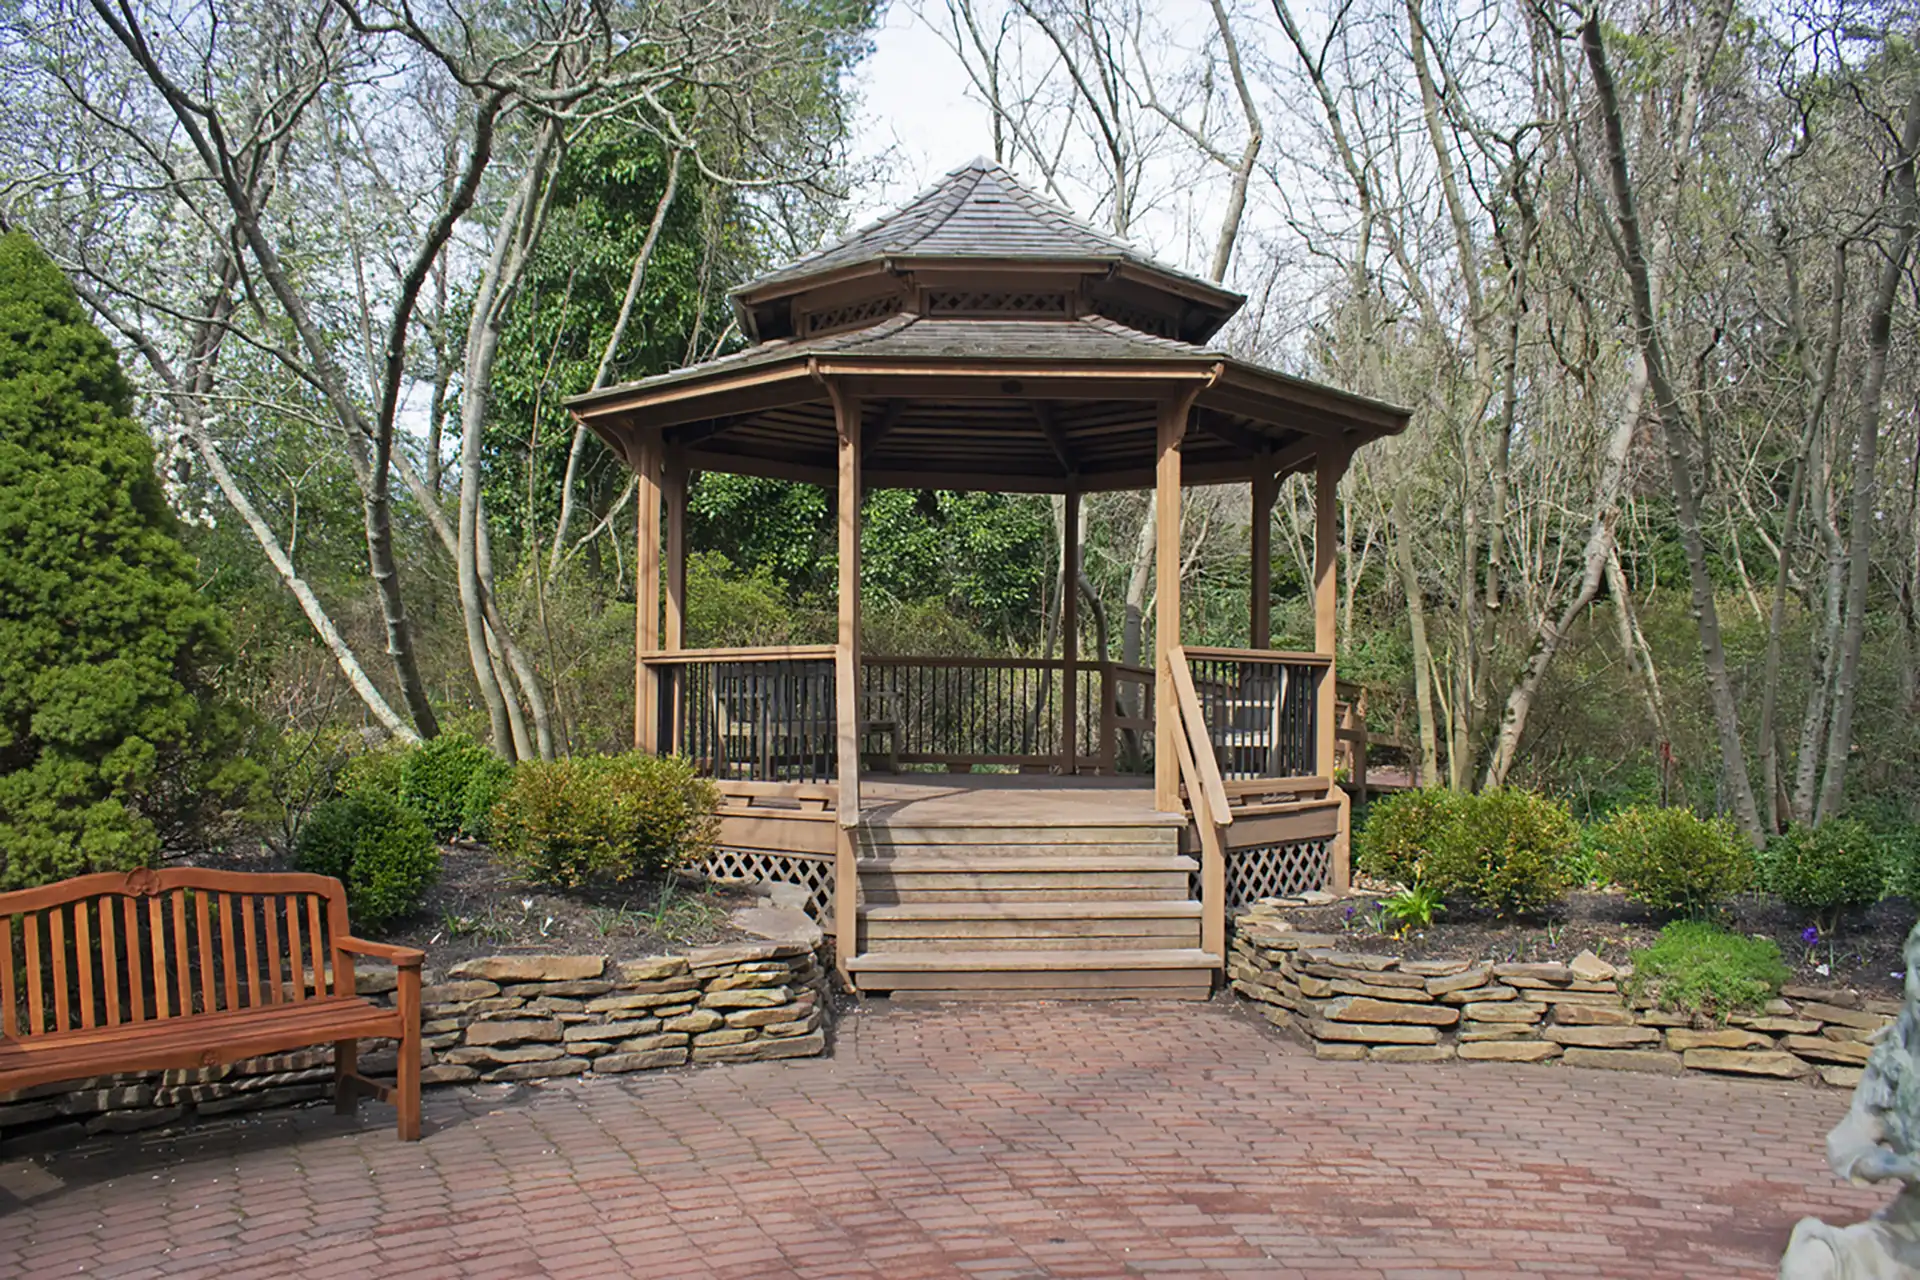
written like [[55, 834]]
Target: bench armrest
[[403, 957]]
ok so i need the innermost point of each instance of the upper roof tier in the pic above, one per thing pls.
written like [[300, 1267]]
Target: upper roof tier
[[980, 218]]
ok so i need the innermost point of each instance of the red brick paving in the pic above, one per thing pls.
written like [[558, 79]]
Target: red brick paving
[[985, 1143]]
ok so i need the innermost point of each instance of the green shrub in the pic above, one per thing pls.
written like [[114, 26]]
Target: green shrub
[[603, 818], [1900, 856], [1506, 849], [374, 773], [1672, 860], [1826, 870], [1694, 967], [434, 778], [1412, 908], [379, 848], [485, 785], [1401, 830]]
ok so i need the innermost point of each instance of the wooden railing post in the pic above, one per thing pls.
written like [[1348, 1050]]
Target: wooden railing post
[[1070, 631], [646, 598], [846, 669], [1331, 466]]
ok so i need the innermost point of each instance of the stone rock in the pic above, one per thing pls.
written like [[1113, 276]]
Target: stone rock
[[648, 1044], [549, 990], [1478, 995], [499, 1055], [1503, 1011], [746, 978], [651, 969], [1652, 1061], [1750, 1063], [640, 1000], [1509, 1050], [776, 1030], [1549, 971], [617, 1063], [752, 998], [1840, 997], [697, 1021], [622, 1030], [785, 894], [263, 1098], [1662, 1018], [1372, 1033], [806, 1046], [1842, 1077], [81, 1102], [20, 1113], [447, 1073], [1779, 1025], [1293, 941], [1821, 1049], [1410, 1052], [1573, 995], [1777, 1008], [375, 981], [549, 1004], [1466, 979], [457, 992], [1602, 1037], [1841, 1016], [1588, 967], [487, 1033], [540, 1070], [1350, 960], [1889, 1009], [779, 924], [1371, 977], [1363, 1009], [1435, 968], [1314, 987], [736, 953], [494, 1004], [1592, 1015], [531, 968], [770, 1017], [726, 1035], [1680, 1039], [1339, 1052], [1411, 995], [1472, 1031]]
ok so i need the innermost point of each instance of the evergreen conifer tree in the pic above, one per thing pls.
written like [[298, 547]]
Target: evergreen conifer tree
[[110, 732]]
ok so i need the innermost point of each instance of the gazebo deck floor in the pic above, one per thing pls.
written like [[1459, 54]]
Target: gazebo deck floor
[[1010, 799]]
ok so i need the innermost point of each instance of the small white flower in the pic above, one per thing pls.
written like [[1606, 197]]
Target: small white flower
[[1821, 970]]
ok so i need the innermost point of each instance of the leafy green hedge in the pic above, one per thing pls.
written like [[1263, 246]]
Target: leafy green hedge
[[380, 849], [570, 822], [1826, 871], [1506, 849], [1672, 860]]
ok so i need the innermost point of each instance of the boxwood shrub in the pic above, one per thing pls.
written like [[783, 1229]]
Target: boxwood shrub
[[1825, 871], [567, 823], [380, 849], [1671, 859]]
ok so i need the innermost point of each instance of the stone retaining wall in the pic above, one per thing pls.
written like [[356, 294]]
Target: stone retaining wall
[[498, 1018], [1386, 1008]]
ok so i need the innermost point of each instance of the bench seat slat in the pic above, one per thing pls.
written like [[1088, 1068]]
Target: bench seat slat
[[181, 1043]]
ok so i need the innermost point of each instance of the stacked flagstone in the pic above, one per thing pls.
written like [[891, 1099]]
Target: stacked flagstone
[[1354, 1005], [498, 1018]]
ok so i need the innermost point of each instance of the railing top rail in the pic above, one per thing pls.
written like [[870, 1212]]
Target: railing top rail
[[1194, 724], [769, 653], [962, 660], [1260, 655]]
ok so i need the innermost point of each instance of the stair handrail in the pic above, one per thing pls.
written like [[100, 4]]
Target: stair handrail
[[1206, 796]]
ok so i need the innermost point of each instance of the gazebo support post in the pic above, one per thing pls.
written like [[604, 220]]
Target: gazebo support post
[[1266, 487], [846, 675], [674, 633], [1070, 632], [1172, 428], [1328, 469], [646, 597]]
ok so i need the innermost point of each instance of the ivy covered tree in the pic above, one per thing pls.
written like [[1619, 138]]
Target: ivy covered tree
[[112, 739]]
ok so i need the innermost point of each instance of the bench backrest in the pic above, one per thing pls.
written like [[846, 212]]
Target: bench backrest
[[109, 949]]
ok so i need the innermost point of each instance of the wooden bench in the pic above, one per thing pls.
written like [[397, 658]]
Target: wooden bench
[[178, 969]]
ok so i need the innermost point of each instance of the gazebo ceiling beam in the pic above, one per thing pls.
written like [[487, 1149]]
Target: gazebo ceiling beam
[[1249, 442], [1056, 439], [870, 437]]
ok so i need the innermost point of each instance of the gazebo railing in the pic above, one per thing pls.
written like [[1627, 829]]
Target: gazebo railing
[[1261, 711], [760, 715]]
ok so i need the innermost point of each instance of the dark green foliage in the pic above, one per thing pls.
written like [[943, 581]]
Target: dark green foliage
[[1506, 849], [374, 773], [1401, 830], [485, 785], [112, 737], [1671, 859], [379, 848], [567, 823], [1412, 908], [1694, 967], [434, 778], [1826, 871]]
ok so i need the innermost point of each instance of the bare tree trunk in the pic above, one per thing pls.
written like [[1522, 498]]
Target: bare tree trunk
[[1422, 652], [1249, 154], [1866, 456], [1673, 427]]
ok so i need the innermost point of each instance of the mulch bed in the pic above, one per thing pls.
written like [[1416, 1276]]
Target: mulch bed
[[476, 908], [1865, 953]]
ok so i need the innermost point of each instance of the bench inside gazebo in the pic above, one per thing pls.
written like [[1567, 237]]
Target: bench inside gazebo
[[993, 827]]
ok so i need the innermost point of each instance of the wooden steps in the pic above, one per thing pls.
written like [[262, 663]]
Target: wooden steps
[[985, 909]]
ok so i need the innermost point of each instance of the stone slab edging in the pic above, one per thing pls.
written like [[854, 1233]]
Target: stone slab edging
[[1385, 1008], [498, 1018]]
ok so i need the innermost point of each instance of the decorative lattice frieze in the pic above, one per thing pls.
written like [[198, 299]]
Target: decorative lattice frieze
[[1137, 318], [852, 314], [986, 302], [1277, 870]]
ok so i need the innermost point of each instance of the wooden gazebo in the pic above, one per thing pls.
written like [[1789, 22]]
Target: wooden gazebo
[[982, 338]]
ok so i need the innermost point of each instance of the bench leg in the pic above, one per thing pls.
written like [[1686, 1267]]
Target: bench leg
[[346, 1062], [406, 1085]]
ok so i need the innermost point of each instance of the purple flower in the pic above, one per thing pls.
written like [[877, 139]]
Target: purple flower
[[1810, 934], [1349, 913]]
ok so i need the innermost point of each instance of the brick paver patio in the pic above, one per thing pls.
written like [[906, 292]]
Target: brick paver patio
[[977, 1142]]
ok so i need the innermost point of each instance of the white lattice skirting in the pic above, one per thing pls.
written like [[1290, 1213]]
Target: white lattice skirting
[[1277, 870], [813, 871]]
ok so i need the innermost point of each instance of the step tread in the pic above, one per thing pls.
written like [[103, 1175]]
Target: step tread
[[1158, 821], [1030, 961], [1001, 862], [1123, 910]]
